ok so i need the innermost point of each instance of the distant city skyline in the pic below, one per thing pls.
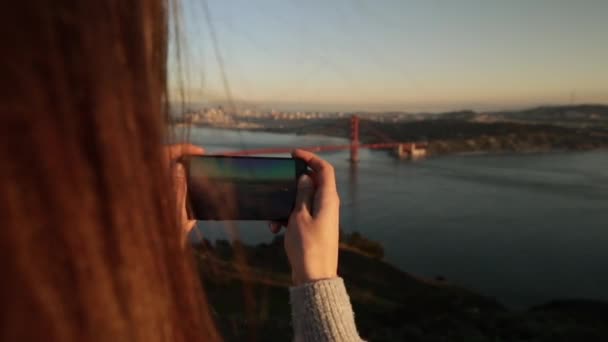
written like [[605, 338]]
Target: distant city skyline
[[392, 55]]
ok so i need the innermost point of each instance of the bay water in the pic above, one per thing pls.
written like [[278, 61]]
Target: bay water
[[524, 228]]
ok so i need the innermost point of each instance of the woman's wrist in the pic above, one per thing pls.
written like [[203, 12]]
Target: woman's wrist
[[299, 280]]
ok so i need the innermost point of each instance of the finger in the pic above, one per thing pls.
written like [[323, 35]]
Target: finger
[[181, 187], [304, 195], [187, 228], [179, 177], [176, 151], [324, 172], [326, 195], [275, 227]]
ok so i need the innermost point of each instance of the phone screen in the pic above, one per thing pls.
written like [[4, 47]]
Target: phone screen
[[242, 188]]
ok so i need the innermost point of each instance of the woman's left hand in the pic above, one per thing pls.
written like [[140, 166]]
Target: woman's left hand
[[172, 155]]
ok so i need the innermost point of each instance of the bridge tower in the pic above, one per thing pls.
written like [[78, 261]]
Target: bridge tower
[[354, 139]]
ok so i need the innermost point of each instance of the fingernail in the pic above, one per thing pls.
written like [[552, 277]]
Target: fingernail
[[304, 181]]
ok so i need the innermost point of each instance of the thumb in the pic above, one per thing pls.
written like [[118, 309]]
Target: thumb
[[305, 194]]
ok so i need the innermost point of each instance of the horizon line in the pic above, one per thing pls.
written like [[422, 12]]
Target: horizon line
[[269, 107]]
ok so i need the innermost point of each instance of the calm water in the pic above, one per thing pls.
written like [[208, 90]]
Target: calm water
[[523, 228]]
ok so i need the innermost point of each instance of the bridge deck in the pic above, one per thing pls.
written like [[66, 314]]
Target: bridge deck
[[325, 148]]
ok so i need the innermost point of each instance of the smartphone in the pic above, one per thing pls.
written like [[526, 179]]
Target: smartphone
[[242, 188]]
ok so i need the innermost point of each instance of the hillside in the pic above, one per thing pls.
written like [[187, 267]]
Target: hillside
[[247, 287], [572, 116], [584, 115], [447, 136]]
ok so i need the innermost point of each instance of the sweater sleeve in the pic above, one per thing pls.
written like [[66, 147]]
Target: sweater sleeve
[[321, 311]]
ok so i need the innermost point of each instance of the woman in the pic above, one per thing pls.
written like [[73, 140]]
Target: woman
[[90, 247]]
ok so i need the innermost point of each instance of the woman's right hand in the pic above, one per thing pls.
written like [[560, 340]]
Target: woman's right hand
[[312, 236]]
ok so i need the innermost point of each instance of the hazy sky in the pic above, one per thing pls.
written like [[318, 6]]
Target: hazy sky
[[406, 55]]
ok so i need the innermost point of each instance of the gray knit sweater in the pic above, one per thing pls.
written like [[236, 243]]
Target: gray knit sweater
[[321, 311]]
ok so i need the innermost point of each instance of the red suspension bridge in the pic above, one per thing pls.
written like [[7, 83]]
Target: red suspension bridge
[[402, 149]]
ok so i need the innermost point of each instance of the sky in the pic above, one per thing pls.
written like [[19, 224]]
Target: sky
[[378, 55]]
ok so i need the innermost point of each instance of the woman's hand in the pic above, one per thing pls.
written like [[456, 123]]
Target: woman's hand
[[312, 236], [172, 155]]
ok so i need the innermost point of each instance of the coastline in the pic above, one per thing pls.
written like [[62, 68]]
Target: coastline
[[483, 144], [521, 152]]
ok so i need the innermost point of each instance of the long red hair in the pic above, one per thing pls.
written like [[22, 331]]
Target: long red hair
[[89, 240]]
